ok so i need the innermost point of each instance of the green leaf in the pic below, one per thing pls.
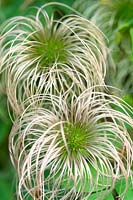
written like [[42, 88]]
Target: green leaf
[[128, 99], [131, 36], [120, 187], [94, 196], [129, 194], [125, 26], [118, 38]]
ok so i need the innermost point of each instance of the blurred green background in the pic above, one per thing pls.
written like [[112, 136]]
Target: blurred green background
[[8, 9]]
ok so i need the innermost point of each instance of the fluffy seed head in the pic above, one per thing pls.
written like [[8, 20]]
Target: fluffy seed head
[[69, 151], [43, 55]]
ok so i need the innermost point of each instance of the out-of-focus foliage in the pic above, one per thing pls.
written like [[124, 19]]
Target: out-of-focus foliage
[[6, 170], [115, 19], [11, 8]]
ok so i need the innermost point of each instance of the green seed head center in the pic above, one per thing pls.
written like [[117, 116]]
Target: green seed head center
[[49, 50], [76, 137], [53, 49]]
